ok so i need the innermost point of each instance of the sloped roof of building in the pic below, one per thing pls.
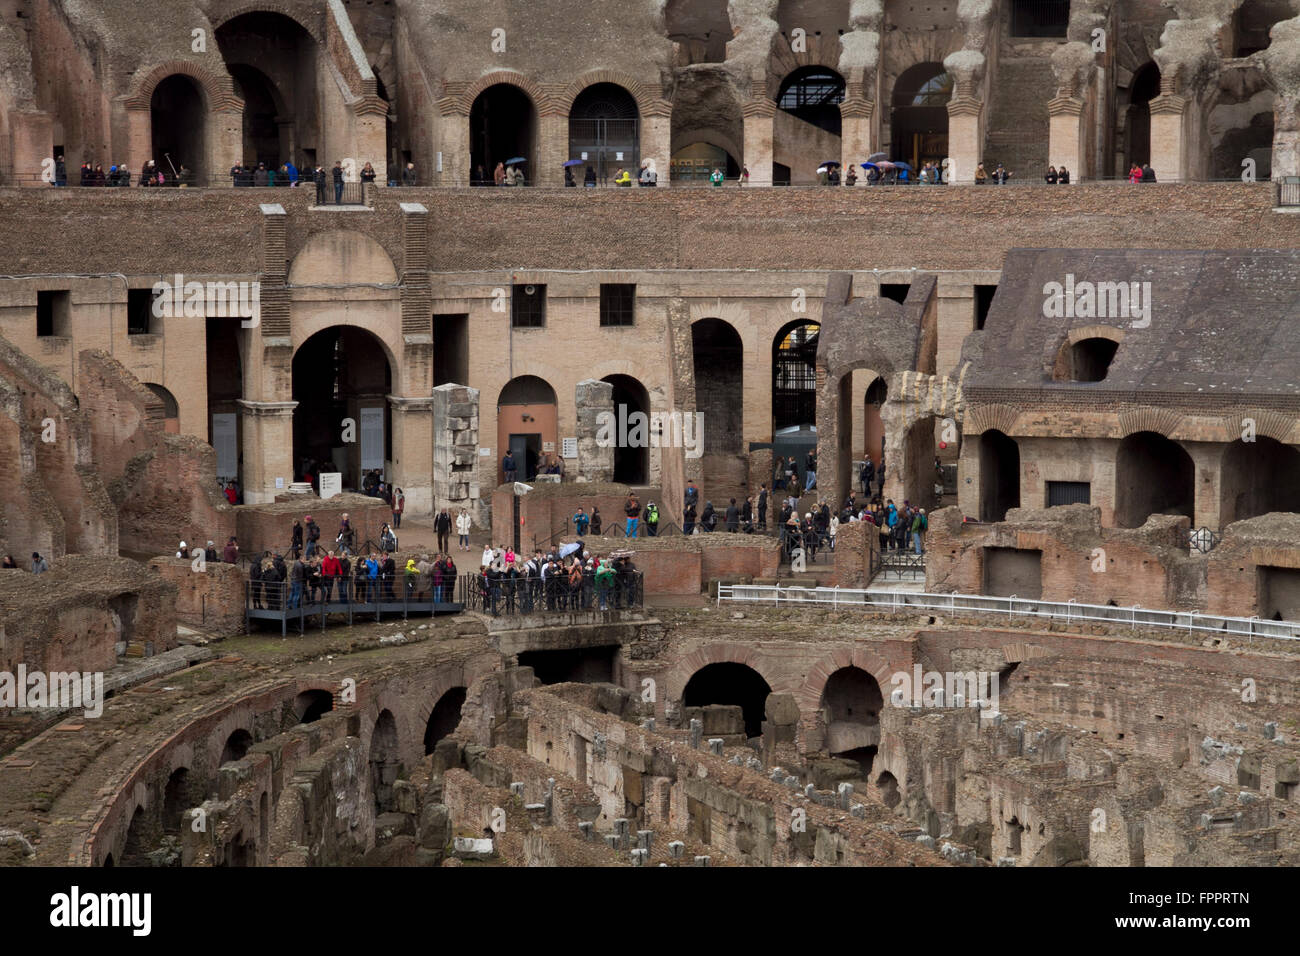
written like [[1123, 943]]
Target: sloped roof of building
[[1220, 323]]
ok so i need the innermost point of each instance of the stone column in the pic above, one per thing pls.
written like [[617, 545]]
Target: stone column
[[370, 138], [965, 137], [759, 113], [453, 143], [225, 145], [1066, 137], [1168, 137], [139, 143], [412, 451], [595, 463], [552, 147], [455, 451], [266, 429]]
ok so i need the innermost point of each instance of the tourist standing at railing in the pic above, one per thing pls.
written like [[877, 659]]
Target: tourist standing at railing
[[499, 175], [920, 524], [580, 522], [296, 577], [762, 507], [344, 576], [708, 517], [409, 177], [313, 535], [733, 517], [368, 173], [318, 174], [337, 174], [329, 572], [261, 176], [346, 539], [633, 511], [651, 520], [604, 583]]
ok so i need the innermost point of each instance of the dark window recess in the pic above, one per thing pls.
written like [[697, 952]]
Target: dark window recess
[[528, 306], [617, 303], [52, 310], [895, 290], [450, 349], [139, 311], [1068, 493], [1039, 18], [983, 302]]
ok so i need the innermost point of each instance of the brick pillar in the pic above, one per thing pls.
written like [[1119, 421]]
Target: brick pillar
[[856, 138], [412, 451], [453, 143], [1066, 138], [1168, 137], [225, 145], [370, 139], [759, 115], [139, 143], [552, 148], [656, 139], [32, 139], [595, 463], [267, 433], [965, 137]]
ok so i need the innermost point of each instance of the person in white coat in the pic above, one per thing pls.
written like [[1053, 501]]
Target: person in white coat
[[462, 528]]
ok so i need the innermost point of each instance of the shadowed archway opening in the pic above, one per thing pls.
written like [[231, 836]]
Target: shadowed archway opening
[[503, 126], [311, 705], [919, 117], [1258, 477], [385, 766], [727, 682], [343, 420], [236, 747], [178, 121], [445, 717], [631, 457], [605, 131], [1153, 475], [1143, 88], [527, 421], [851, 704], [999, 475]]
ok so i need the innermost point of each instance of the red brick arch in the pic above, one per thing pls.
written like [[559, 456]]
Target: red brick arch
[[675, 680], [513, 78], [645, 100], [809, 696], [218, 88]]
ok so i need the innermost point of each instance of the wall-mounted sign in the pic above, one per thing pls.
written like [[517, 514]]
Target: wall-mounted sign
[[331, 484], [570, 448]]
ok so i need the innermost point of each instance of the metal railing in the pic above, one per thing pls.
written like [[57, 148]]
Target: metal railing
[[347, 596], [1288, 191], [1009, 608], [330, 193], [504, 594]]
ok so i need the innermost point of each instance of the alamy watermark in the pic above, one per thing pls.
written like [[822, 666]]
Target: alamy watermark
[[56, 690], [946, 689], [636, 429], [217, 300], [1098, 300]]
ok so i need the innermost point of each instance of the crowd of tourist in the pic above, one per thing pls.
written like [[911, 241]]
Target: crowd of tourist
[[564, 578]]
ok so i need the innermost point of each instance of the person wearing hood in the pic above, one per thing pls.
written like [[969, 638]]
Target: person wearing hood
[[651, 520], [412, 577], [295, 542], [649, 176], [708, 519], [183, 551]]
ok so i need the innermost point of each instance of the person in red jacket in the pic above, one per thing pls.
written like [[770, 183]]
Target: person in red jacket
[[329, 570]]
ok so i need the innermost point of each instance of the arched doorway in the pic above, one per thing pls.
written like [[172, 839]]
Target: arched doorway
[[445, 717], [178, 796], [311, 705], [503, 126], [1144, 87], [807, 128], [236, 747], [919, 120], [178, 121], [1153, 475], [527, 422], [631, 457], [1258, 477], [719, 359], [171, 408], [851, 704], [727, 682], [695, 163], [605, 130], [341, 382], [999, 475], [273, 61], [794, 390]]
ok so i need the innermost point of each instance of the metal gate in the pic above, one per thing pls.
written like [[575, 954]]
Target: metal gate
[[1068, 493], [605, 145]]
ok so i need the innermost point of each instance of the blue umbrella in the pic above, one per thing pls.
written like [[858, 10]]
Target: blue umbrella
[[902, 165], [869, 166], [516, 161], [572, 162]]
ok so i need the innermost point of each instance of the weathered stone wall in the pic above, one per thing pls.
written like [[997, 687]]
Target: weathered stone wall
[[212, 599], [455, 451], [270, 527]]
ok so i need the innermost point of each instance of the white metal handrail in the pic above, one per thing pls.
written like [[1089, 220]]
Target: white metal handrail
[[1068, 611]]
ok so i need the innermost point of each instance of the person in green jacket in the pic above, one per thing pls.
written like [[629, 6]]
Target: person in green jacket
[[604, 582], [716, 178], [920, 523]]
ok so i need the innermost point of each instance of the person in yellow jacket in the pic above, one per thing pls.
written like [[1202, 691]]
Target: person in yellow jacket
[[624, 178]]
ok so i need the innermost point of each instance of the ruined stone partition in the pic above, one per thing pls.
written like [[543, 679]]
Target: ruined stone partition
[[595, 463], [212, 599], [269, 527], [456, 468], [1063, 554], [85, 614]]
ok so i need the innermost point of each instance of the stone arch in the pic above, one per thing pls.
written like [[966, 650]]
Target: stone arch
[[465, 101], [1153, 475], [218, 89], [444, 717], [312, 704], [443, 681], [647, 103], [675, 680], [1162, 421], [291, 11], [809, 694]]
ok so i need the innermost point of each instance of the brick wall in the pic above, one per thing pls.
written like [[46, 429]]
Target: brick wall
[[213, 599], [270, 527]]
